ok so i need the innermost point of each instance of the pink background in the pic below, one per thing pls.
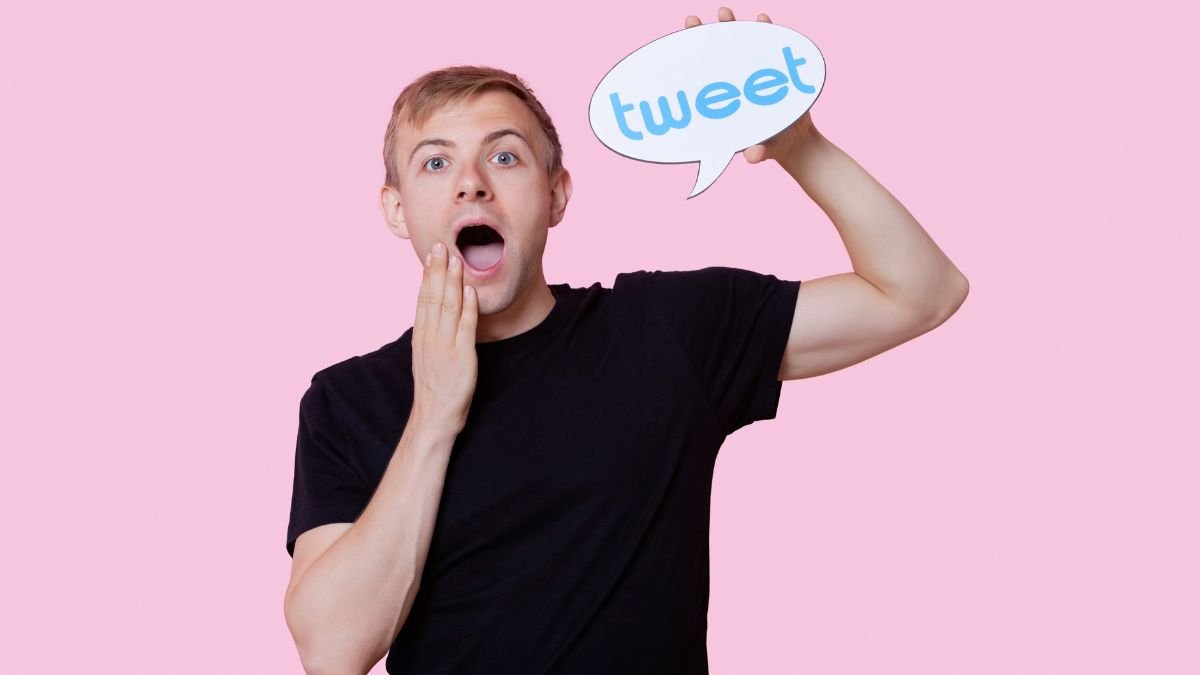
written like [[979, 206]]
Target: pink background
[[191, 230]]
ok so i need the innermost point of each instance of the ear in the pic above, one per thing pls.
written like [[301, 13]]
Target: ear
[[560, 194], [393, 212]]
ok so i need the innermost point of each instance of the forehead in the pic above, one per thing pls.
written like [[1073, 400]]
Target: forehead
[[469, 120]]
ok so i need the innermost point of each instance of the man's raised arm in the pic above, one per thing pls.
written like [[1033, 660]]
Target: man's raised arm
[[902, 284]]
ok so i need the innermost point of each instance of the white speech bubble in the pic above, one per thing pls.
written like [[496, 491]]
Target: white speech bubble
[[704, 94]]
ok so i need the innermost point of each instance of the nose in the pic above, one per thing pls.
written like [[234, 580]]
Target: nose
[[472, 185]]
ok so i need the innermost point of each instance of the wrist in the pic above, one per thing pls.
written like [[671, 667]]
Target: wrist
[[427, 424], [805, 152]]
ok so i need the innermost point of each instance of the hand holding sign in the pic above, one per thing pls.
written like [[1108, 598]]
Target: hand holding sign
[[781, 143], [736, 85]]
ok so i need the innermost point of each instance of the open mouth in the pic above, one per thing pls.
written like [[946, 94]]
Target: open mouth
[[480, 245]]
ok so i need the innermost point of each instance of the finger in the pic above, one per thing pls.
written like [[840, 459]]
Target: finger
[[469, 319], [451, 301], [725, 14], [691, 22], [423, 296], [755, 153], [437, 285], [764, 18]]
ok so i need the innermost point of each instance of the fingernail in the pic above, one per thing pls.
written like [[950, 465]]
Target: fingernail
[[454, 262], [438, 249]]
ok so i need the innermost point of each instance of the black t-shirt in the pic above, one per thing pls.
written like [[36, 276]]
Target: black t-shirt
[[572, 535]]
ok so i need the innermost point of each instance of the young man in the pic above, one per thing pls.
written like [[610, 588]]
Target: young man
[[520, 483]]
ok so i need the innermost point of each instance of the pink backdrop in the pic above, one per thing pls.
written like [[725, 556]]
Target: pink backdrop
[[191, 230]]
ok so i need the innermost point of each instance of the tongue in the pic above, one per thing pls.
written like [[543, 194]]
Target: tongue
[[483, 256]]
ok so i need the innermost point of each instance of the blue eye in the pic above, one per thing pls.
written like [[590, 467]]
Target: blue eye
[[511, 157], [441, 164]]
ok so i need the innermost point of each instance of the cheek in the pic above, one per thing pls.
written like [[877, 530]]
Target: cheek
[[422, 223], [419, 199]]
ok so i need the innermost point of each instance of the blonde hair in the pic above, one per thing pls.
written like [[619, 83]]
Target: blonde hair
[[431, 91]]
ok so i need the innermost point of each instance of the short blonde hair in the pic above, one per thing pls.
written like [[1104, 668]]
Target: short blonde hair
[[431, 91]]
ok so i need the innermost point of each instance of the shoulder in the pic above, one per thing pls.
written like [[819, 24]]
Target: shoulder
[[682, 279], [344, 377], [708, 287]]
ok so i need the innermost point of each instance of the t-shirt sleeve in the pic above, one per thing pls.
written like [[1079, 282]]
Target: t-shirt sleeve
[[326, 488], [733, 324]]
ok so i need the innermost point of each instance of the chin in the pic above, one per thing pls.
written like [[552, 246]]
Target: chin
[[492, 303]]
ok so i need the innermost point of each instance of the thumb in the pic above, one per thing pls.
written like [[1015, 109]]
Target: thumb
[[755, 153]]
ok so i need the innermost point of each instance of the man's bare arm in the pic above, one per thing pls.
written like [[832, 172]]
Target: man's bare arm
[[346, 606], [902, 286], [353, 585]]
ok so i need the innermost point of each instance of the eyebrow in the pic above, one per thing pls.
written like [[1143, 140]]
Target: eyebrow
[[499, 133]]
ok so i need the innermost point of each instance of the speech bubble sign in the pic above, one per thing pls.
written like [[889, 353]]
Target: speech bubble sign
[[705, 93]]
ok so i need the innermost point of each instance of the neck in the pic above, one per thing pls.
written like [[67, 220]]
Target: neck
[[523, 314]]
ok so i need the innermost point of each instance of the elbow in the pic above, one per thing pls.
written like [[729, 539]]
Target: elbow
[[939, 306], [317, 660], [962, 288], [324, 651], [332, 660], [956, 291], [312, 667]]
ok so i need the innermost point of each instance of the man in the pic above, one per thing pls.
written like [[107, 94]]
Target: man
[[520, 483]]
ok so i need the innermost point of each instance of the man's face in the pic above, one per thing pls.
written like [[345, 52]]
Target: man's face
[[473, 177]]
